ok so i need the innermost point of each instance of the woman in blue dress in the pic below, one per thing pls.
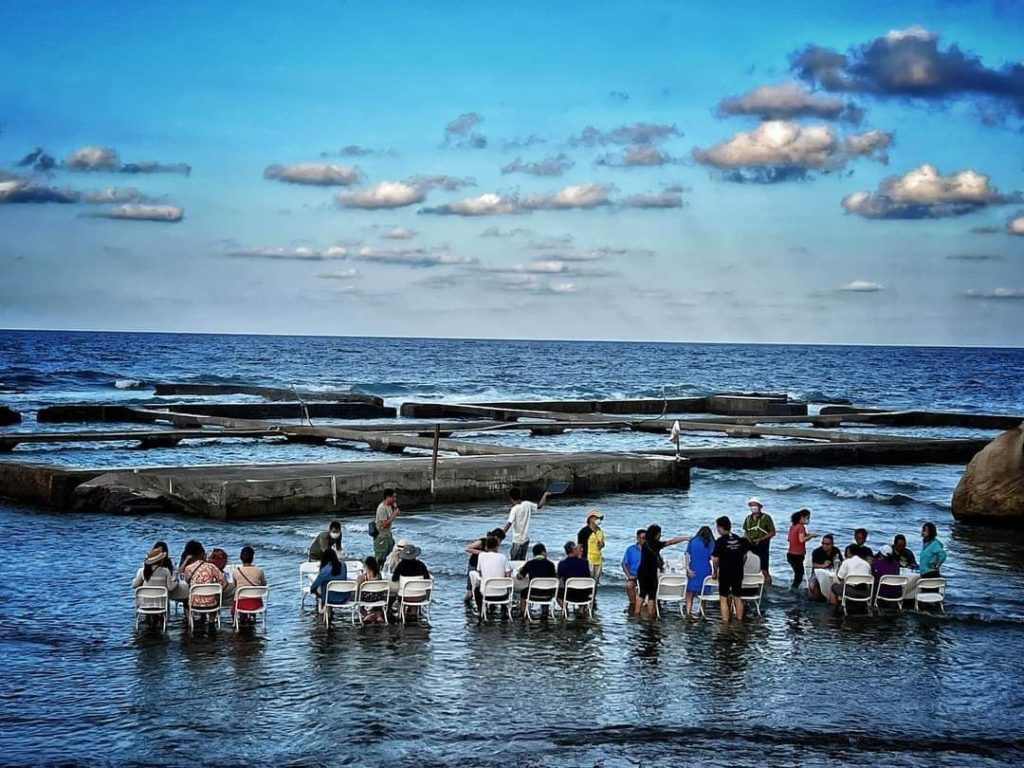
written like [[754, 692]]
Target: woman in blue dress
[[698, 564]]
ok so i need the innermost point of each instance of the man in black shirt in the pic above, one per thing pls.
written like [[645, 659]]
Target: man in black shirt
[[826, 557], [903, 555], [727, 563], [537, 568]]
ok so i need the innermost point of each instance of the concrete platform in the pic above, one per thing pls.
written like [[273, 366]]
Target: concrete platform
[[270, 393], [85, 412], [253, 491]]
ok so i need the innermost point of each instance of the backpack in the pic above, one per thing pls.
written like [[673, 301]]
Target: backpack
[[372, 529]]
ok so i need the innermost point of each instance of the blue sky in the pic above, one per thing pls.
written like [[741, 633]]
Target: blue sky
[[869, 192]]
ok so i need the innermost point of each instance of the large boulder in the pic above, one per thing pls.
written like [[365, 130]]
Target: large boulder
[[991, 490]]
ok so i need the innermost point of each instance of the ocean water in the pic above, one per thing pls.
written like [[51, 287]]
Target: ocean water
[[799, 685]]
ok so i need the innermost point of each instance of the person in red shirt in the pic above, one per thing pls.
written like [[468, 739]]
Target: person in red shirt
[[798, 538]]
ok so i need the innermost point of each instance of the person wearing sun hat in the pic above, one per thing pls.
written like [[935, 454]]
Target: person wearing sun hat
[[156, 571], [759, 529], [591, 541]]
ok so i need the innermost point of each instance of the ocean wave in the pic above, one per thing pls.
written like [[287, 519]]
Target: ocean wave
[[130, 384]]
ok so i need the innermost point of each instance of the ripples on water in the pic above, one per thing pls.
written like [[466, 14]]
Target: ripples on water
[[801, 685]]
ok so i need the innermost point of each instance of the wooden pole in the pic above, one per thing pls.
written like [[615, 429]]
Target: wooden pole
[[433, 462]]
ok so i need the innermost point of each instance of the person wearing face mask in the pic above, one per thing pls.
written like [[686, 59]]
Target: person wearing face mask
[[329, 539]]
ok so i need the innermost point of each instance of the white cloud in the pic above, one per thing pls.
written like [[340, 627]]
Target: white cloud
[[489, 204], [638, 133], [341, 274], [789, 100], [93, 159], [300, 253], [925, 193], [400, 233], [555, 165], [437, 256], [1015, 226], [139, 212], [315, 174], [386, 194], [775, 143], [574, 196], [862, 286], [996, 293], [663, 199], [115, 195]]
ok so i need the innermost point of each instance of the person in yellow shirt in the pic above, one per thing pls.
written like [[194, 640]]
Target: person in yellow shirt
[[591, 541]]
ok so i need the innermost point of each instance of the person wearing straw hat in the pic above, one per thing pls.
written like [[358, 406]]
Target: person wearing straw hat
[[759, 529], [157, 570]]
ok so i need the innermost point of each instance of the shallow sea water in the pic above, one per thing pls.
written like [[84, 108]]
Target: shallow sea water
[[801, 685]]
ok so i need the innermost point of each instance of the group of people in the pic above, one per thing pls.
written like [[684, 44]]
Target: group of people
[[725, 555], [394, 560], [196, 567]]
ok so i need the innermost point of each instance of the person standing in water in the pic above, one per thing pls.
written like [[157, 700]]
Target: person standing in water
[[759, 529], [519, 515], [798, 538], [387, 511]]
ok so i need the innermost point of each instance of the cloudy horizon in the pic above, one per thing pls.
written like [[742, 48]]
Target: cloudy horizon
[[667, 176]]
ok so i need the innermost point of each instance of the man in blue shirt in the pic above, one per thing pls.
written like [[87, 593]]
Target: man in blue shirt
[[630, 563]]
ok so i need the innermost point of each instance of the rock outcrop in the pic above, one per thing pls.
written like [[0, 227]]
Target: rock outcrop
[[991, 490]]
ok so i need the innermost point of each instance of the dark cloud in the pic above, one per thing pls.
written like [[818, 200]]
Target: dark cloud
[[638, 133], [105, 159], [766, 175], [664, 199], [555, 165], [314, 174], [15, 190], [910, 64], [354, 150], [153, 167], [986, 230], [493, 231], [974, 257], [924, 193], [447, 183], [522, 142], [38, 160], [637, 157], [460, 133], [113, 195], [787, 101], [620, 96]]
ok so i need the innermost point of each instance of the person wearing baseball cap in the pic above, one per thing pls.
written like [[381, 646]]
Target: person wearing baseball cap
[[591, 541]]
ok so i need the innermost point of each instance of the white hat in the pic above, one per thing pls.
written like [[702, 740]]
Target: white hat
[[754, 500]]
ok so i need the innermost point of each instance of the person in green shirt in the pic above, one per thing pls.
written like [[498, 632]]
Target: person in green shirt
[[759, 528]]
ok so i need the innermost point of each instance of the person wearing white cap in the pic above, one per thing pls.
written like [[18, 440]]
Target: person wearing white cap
[[759, 529], [591, 541]]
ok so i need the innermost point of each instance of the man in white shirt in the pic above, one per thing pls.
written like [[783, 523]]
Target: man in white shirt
[[519, 521], [490, 564], [853, 565]]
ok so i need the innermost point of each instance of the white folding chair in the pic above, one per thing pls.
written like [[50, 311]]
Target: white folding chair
[[752, 590], [936, 597], [585, 589], [414, 592], [897, 583], [497, 592], [516, 565], [671, 589], [543, 593], [204, 591], [152, 601], [252, 593], [863, 584], [307, 575], [340, 595], [708, 594], [371, 596]]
